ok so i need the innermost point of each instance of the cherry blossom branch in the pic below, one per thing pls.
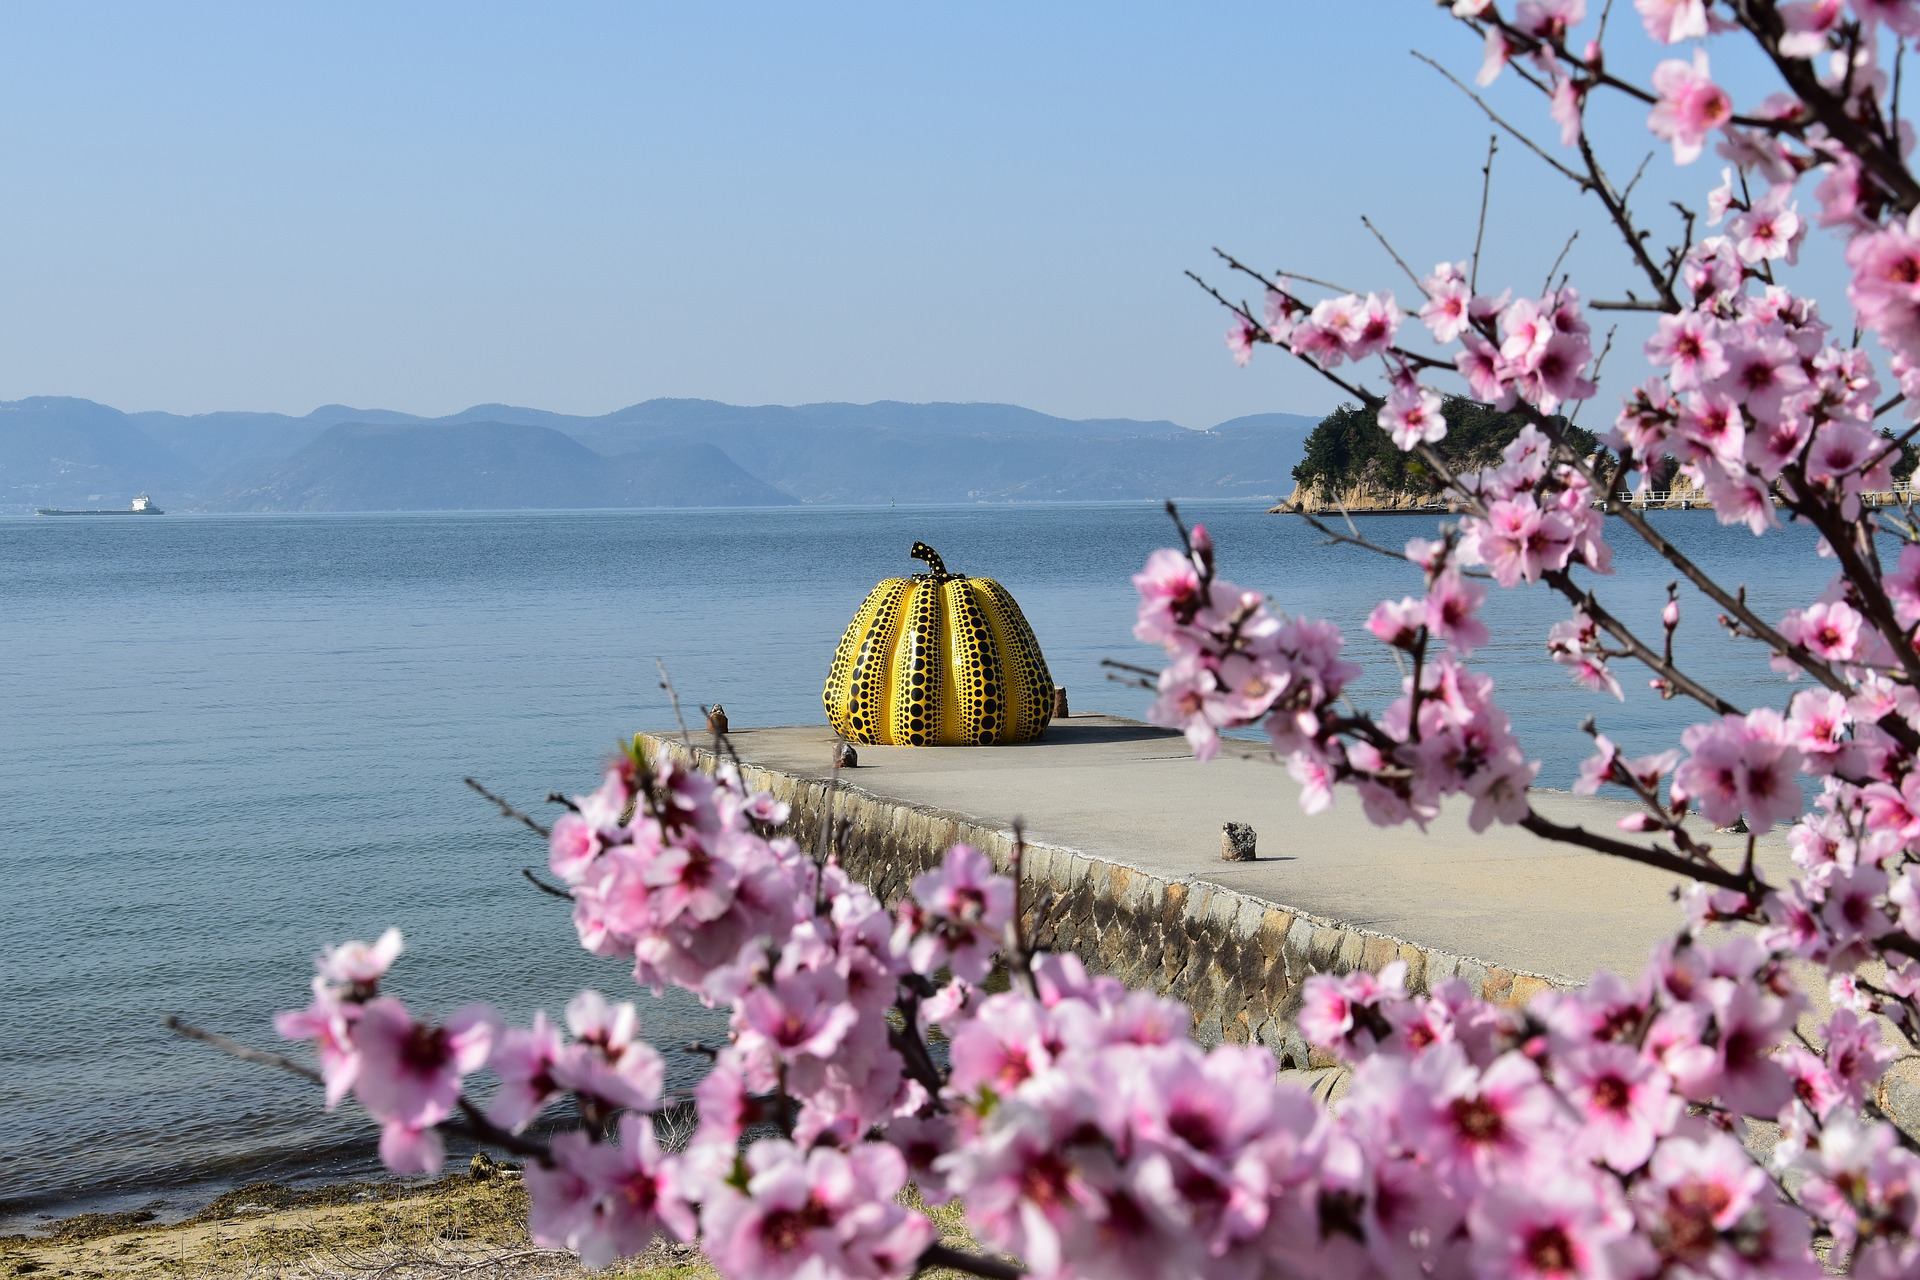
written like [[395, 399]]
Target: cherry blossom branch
[[1705, 871], [1705, 583], [1762, 19], [1546, 286], [508, 811], [1616, 208], [474, 1125], [1304, 278], [1393, 253], [1626, 304], [1561, 581], [234, 1049], [1594, 75], [1798, 654], [1639, 172], [973, 1264], [1863, 574], [1333, 535], [673, 697], [1261, 335], [1648, 794], [1594, 180], [549, 889], [1480, 228], [1499, 120]]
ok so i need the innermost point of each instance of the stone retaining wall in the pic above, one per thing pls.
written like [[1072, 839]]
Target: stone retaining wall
[[1237, 961]]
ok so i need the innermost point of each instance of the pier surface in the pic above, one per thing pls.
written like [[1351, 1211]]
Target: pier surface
[[1130, 794]]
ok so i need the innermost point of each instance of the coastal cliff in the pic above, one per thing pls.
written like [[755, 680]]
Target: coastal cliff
[[1361, 498], [1358, 496]]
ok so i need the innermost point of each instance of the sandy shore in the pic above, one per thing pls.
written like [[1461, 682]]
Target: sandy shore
[[461, 1225]]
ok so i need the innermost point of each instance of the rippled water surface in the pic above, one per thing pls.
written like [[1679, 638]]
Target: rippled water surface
[[225, 741]]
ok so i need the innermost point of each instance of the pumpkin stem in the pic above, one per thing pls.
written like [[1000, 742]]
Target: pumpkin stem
[[921, 551]]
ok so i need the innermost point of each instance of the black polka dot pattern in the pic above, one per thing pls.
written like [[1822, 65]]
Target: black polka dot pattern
[[855, 695], [938, 658], [919, 668], [1028, 685]]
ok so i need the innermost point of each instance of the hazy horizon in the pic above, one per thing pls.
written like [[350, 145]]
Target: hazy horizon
[[469, 406]]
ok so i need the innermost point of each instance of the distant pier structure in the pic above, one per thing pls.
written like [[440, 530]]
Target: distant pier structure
[[1682, 498], [142, 505]]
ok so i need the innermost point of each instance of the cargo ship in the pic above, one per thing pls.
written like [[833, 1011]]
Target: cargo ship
[[141, 505]]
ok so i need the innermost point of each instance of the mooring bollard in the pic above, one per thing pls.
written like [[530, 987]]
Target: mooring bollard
[[1059, 702], [717, 721], [1236, 842], [844, 756]]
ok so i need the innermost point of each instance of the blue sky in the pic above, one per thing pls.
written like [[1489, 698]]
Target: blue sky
[[577, 206]]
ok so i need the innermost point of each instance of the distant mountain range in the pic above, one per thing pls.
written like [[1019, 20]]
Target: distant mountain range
[[56, 451]]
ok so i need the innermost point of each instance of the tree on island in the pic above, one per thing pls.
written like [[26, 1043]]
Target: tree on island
[[1347, 449], [1600, 1132]]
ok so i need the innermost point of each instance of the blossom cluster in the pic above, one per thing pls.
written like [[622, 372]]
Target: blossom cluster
[[684, 872], [1235, 663]]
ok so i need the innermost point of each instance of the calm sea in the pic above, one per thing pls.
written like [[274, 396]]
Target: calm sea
[[225, 741]]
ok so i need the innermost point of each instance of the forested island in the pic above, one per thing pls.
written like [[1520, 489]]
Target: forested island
[[1349, 463]]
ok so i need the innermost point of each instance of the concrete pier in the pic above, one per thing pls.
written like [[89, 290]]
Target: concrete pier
[[1124, 867]]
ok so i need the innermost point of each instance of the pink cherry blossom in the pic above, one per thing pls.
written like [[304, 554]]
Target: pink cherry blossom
[[1698, 1189], [1240, 340], [1671, 21], [1518, 540], [1346, 1015], [1374, 327], [1411, 415], [1169, 590], [1830, 630], [1398, 623], [1451, 612], [1770, 231], [360, 964], [524, 1062], [1690, 106], [1626, 1103], [636, 1198], [1690, 348], [964, 910], [1445, 310], [1476, 1121], [608, 1061], [1557, 1228], [823, 1212], [410, 1072], [794, 1016], [1808, 24], [1549, 19], [1741, 766], [327, 1022]]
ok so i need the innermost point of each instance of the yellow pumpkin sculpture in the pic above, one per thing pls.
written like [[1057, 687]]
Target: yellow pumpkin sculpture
[[938, 659]]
